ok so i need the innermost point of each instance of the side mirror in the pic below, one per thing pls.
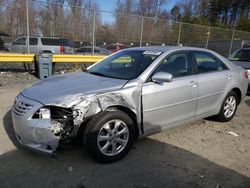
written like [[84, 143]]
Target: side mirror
[[160, 77]]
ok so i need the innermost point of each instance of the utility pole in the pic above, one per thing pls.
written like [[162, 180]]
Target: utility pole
[[27, 26]]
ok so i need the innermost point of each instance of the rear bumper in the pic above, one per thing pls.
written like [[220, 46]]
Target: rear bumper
[[34, 134]]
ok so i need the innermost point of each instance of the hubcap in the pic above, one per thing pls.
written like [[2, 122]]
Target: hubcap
[[230, 106], [113, 137]]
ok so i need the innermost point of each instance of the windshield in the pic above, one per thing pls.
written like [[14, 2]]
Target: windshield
[[240, 55], [127, 65]]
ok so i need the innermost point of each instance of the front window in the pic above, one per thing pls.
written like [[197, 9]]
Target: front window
[[240, 55], [81, 50], [20, 41], [177, 64], [125, 65]]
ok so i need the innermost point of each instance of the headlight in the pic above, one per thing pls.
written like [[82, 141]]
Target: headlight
[[43, 113]]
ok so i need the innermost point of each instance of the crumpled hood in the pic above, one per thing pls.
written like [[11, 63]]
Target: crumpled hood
[[65, 90], [243, 64]]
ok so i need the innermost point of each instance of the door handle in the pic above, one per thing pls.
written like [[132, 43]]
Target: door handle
[[192, 84]]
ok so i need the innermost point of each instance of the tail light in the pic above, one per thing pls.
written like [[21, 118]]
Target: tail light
[[246, 74], [62, 50]]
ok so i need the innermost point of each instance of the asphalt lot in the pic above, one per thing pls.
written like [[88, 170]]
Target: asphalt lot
[[201, 154]]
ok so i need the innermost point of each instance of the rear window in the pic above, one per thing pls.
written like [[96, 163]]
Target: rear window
[[57, 42], [51, 41], [207, 62], [33, 41], [67, 42]]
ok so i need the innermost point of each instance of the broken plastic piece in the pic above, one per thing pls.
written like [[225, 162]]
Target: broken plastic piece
[[233, 133]]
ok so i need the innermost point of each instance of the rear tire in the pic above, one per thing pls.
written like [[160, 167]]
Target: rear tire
[[109, 136], [228, 107]]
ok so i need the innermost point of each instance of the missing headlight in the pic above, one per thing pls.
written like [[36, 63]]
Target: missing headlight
[[61, 113], [62, 123], [53, 112], [61, 119], [42, 113]]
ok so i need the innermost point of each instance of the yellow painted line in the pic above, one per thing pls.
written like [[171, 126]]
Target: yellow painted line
[[17, 58], [76, 58], [56, 58]]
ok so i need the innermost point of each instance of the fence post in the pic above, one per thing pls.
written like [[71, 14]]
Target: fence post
[[93, 34], [27, 26], [179, 35], [231, 44], [208, 35], [142, 25]]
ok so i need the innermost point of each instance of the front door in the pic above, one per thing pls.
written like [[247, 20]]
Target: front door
[[19, 45], [170, 103]]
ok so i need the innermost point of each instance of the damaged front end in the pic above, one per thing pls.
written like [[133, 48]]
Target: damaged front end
[[66, 121], [44, 127], [61, 120]]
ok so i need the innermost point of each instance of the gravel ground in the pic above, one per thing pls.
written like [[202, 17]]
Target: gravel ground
[[201, 154]]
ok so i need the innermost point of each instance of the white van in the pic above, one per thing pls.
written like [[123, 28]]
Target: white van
[[42, 44]]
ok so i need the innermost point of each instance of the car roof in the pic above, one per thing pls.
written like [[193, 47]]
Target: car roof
[[167, 48], [46, 37]]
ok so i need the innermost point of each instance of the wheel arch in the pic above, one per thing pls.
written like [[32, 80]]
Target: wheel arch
[[124, 109], [238, 93], [129, 112]]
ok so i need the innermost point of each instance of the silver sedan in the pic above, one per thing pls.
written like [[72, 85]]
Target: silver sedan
[[130, 94]]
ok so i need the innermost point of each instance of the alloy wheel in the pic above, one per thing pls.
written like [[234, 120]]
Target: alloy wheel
[[113, 137]]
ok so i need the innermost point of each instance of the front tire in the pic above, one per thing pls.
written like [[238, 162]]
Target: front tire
[[109, 136], [228, 107]]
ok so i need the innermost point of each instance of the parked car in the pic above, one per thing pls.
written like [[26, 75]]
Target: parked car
[[131, 94], [242, 58], [2, 41], [87, 50], [42, 44], [114, 47]]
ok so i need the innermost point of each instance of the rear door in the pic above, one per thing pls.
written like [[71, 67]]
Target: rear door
[[213, 76], [33, 44], [170, 103]]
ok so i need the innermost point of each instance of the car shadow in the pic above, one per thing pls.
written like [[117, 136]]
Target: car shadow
[[150, 163], [248, 102]]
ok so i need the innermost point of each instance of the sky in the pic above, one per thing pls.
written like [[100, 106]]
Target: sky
[[109, 5]]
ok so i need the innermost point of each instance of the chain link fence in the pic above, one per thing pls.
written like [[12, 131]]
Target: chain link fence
[[90, 27]]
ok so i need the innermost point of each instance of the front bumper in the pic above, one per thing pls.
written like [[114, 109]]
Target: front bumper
[[34, 134]]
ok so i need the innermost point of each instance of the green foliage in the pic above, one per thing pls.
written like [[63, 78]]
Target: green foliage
[[220, 13], [244, 24]]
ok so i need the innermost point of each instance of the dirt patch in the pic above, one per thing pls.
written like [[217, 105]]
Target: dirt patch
[[201, 154]]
